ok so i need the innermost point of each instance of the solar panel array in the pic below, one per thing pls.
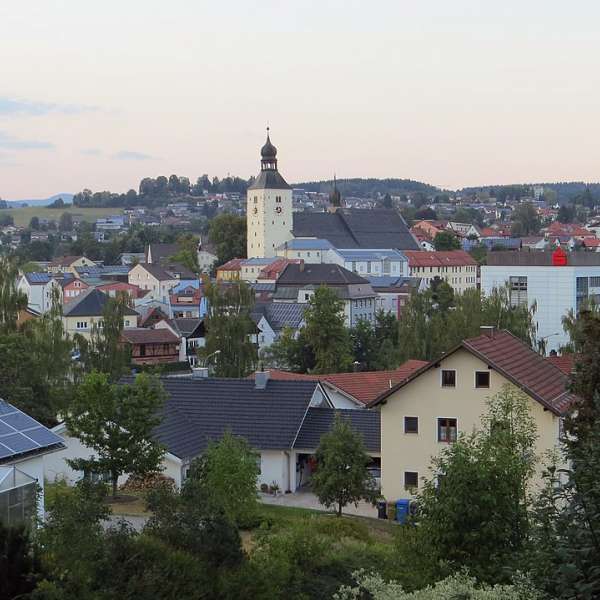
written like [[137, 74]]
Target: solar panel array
[[38, 277], [19, 433]]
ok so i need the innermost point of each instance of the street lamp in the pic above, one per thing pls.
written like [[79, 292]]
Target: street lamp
[[215, 353]]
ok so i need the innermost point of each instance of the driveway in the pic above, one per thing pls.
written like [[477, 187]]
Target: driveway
[[306, 499]]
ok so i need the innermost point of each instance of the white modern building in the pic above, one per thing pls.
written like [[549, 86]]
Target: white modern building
[[555, 282]]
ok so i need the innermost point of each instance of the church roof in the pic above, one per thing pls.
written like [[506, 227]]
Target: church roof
[[269, 180], [356, 228]]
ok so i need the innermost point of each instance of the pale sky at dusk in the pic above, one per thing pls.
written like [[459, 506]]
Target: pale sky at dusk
[[454, 93]]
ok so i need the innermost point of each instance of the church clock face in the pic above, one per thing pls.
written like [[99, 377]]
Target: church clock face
[[278, 209]]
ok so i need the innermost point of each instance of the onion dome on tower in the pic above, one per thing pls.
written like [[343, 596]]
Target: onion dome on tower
[[269, 177]]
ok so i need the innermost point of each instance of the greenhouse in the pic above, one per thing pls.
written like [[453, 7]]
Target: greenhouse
[[18, 493]]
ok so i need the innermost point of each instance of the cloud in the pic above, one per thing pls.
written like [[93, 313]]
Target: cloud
[[129, 155], [91, 152], [8, 142], [18, 107]]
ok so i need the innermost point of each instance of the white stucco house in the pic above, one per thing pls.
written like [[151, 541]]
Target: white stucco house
[[282, 420]]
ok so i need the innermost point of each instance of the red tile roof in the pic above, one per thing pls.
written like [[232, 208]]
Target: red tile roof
[[518, 363], [566, 362], [364, 386], [450, 258], [141, 335], [235, 264]]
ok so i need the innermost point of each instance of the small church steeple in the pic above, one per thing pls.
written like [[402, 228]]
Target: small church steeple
[[335, 198]]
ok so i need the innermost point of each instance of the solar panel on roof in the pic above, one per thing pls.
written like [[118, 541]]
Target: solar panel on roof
[[17, 442], [5, 408], [4, 451], [43, 436], [4, 429], [19, 421]]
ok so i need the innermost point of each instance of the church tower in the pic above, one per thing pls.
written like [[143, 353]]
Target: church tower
[[269, 207]]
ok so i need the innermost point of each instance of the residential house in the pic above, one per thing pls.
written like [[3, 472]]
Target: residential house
[[298, 283], [427, 411], [282, 420], [72, 287], [231, 270], [115, 288], [367, 262], [24, 444], [191, 333], [81, 314], [153, 278], [456, 267], [40, 289], [151, 346], [67, 264], [273, 317], [207, 256], [185, 300], [394, 292], [27, 314]]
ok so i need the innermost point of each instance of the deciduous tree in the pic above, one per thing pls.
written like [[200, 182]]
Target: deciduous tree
[[342, 476], [116, 421]]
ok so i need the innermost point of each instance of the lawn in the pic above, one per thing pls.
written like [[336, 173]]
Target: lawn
[[22, 216]]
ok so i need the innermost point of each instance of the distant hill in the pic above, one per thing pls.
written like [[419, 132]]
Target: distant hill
[[68, 198], [369, 188], [565, 190]]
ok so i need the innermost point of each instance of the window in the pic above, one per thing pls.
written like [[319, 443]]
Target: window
[[446, 430], [448, 378], [518, 291], [411, 480], [482, 379], [594, 281], [411, 424]]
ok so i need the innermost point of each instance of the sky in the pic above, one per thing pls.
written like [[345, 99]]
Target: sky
[[453, 93]]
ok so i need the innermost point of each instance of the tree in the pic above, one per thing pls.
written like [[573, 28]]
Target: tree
[[11, 299], [425, 214], [567, 213], [58, 203], [566, 544], [364, 344], [326, 332], [187, 253], [34, 223], [444, 240], [227, 233], [105, 351], [290, 351], [473, 511], [66, 222], [224, 479], [342, 476], [525, 220], [387, 202], [229, 328], [442, 294], [116, 421]]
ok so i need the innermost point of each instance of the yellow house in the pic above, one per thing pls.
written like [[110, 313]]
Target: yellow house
[[69, 264], [426, 411], [85, 311]]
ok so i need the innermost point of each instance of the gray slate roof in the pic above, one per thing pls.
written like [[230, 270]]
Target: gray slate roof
[[90, 304], [319, 421], [318, 274], [185, 325], [269, 180], [356, 228], [280, 314], [199, 410]]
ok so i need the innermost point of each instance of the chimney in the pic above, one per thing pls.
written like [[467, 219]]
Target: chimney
[[301, 266], [487, 330], [200, 373], [261, 379]]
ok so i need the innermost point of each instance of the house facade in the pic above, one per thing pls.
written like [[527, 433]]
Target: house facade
[[40, 289], [154, 279], [426, 412], [456, 267]]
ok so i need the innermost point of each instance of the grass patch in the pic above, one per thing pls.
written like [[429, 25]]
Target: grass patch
[[22, 216]]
